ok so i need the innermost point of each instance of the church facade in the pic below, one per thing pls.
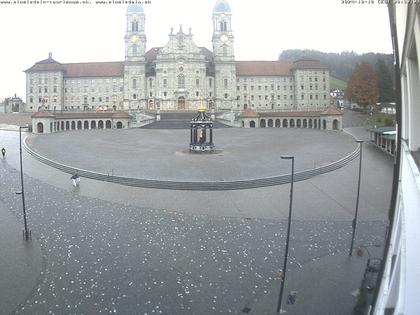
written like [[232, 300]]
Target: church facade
[[178, 76]]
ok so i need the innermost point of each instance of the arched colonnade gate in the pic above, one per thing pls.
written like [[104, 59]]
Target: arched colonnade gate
[[48, 122], [329, 119], [295, 123]]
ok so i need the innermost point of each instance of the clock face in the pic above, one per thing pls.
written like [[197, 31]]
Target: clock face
[[135, 39], [224, 38]]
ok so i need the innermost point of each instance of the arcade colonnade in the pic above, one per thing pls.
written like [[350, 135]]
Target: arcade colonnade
[[330, 119], [48, 122]]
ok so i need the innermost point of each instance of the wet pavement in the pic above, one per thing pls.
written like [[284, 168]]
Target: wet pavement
[[108, 248]]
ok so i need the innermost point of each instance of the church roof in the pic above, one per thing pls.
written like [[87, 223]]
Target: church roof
[[42, 114], [253, 114], [81, 115], [331, 111], [291, 114], [94, 69], [48, 64], [221, 6], [306, 63], [132, 8], [262, 68]]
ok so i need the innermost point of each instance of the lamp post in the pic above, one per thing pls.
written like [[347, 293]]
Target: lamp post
[[353, 224], [26, 233], [283, 278]]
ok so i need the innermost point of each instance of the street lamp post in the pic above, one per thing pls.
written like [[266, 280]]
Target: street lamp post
[[360, 142], [26, 233], [283, 276]]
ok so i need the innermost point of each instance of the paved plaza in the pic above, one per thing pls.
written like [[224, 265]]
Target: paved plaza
[[163, 154], [107, 248]]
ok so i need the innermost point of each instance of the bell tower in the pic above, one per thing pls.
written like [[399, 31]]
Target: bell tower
[[135, 61], [135, 38], [222, 31], [224, 57]]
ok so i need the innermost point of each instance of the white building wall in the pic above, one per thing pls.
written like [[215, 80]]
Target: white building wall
[[44, 89]]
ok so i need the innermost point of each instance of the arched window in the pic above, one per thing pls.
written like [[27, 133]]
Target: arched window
[[134, 50], [134, 83], [252, 124], [134, 26], [298, 123], [285, 123], [181, 81], [86, 124], [292, 123], [79, 125], [150, 83], [40, 127], [262, 123], [277, 123], [270, 123], [224, 50]]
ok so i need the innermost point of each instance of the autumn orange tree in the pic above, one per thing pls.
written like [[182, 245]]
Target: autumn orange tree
[[362, 86]]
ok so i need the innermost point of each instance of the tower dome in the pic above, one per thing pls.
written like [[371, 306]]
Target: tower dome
[[135, 8], [221, 6]]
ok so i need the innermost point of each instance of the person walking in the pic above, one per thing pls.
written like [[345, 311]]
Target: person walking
[[3, 152], [75, 180]]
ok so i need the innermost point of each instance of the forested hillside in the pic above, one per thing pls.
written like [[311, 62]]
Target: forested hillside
[[341, 65]]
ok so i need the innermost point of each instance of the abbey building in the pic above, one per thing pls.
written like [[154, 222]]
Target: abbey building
[[178, 76]]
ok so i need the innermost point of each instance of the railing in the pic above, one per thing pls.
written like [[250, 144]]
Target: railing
[[198, 185]]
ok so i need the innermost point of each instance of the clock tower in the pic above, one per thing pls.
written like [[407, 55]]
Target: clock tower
[[224, 58], [135, 38], [135, 62]]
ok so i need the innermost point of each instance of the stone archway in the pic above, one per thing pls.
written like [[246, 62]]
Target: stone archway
[[262, 123], [335, 124], [181, 103], [151, 105], [40, 127], [119, 125], [252, 124]]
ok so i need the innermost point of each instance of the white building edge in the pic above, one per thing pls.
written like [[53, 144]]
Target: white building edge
[[399, 287]]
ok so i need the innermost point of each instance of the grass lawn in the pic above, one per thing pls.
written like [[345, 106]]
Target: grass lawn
[[337, 84], [380, 120]]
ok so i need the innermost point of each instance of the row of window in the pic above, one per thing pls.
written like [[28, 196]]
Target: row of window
[[42, 81], [302, 87], [31, 89], [272, 105], [266, 97], [245, 87], [251, 79], [43, 99], [85, 89]]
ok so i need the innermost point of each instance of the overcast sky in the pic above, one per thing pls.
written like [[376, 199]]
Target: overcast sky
[[262, 29]]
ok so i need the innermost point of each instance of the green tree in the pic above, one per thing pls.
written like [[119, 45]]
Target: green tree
[[362, 86], [385, 86]]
